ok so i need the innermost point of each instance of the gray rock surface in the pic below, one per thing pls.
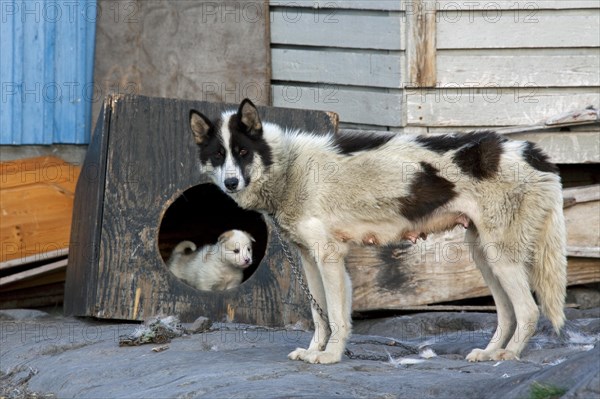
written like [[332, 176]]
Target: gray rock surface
[[81, 358]]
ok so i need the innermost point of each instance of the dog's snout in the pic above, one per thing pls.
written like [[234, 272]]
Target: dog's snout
[[231, 183]]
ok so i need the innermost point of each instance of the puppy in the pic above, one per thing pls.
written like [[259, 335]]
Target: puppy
[[215, 267]]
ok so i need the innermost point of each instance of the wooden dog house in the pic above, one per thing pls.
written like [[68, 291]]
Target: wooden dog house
[[141, 192]]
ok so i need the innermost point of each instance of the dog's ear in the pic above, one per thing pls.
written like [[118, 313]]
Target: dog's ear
[[225, 236], [248, 115], [201, 126]]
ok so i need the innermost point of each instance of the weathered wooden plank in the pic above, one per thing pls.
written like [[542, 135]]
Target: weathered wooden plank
[[566, 147], [36, 202], [81, 285], [42, 257], [357, 106], [527, 7], [47, 295], [384, 5], [579, 195], [346, 29], [518, 67], [316, 66], [400, 277], [508, 29], [583, 229], [493, 106], [421, 44], [58, 268], [46, 170]]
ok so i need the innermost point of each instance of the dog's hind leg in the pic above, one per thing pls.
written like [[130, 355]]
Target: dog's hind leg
[[504, 309], [315, 285], [514, 279]]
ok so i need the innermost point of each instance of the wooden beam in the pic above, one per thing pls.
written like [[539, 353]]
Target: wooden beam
[[421, 43]]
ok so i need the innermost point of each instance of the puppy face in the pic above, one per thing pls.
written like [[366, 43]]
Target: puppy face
[[232, 149], [236, 248]]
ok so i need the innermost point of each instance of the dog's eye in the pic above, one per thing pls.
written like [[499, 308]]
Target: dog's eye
[[236, 251], [243, 152], [219, 154]]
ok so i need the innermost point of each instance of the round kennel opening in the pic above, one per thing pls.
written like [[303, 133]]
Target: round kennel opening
[[201, 214]]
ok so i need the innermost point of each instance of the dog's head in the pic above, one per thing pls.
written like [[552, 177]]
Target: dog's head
[[232, 148], [236, 248]]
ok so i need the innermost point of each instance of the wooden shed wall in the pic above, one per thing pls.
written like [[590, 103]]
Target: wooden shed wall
[[495, 63]]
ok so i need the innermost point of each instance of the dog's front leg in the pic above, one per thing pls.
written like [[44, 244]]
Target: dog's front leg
[[315, 285], [338, 299]]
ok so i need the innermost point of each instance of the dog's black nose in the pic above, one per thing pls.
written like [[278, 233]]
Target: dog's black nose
[[231, 183]]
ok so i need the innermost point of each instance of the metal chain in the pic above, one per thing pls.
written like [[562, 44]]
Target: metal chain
[[298, 273]]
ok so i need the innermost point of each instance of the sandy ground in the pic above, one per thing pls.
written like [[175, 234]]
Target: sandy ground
[[416, 356]]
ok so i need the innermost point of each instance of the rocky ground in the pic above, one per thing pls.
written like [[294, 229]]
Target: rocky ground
[[416, 356]]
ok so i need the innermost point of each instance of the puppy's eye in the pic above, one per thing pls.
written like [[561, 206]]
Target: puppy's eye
[[236, 251], [219, 154], [243, 152]]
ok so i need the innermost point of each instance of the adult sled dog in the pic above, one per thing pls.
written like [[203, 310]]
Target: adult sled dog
[[384, 188]]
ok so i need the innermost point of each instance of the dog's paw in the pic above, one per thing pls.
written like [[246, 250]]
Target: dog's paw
[[322, 357], [504, 354], [298, 354], [478, 355]]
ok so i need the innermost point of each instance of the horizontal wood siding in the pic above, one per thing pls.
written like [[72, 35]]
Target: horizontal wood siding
[[517, 29], [493, 106], [510, 63], [353, 106], [47, 50], [341, 56], [498, 63]]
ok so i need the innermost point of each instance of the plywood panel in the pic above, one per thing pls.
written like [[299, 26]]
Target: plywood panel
[[199, 50]]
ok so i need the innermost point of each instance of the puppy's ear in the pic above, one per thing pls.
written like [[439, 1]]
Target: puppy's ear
[[248, 115], [225, 236], [201, 126]]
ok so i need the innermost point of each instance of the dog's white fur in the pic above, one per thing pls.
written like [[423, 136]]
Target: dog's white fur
[[325, 199], [215, 267]]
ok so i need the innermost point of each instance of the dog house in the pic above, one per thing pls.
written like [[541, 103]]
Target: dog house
[[141, 192]]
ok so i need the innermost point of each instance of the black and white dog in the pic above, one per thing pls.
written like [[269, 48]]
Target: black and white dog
[[391, 187]]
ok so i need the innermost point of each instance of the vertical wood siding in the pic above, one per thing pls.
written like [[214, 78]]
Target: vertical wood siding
[[46, 82]]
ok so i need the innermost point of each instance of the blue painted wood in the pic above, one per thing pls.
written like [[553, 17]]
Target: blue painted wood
[[47, 50]]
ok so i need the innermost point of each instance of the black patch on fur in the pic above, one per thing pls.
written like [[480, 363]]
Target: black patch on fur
[[252, 142], [212, 150], [449, 142], [348, 143], [428, 191], [537, 159], [480, 157]]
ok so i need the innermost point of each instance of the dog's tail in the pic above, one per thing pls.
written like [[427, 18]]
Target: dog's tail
[[549, 271], [181, 249]]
